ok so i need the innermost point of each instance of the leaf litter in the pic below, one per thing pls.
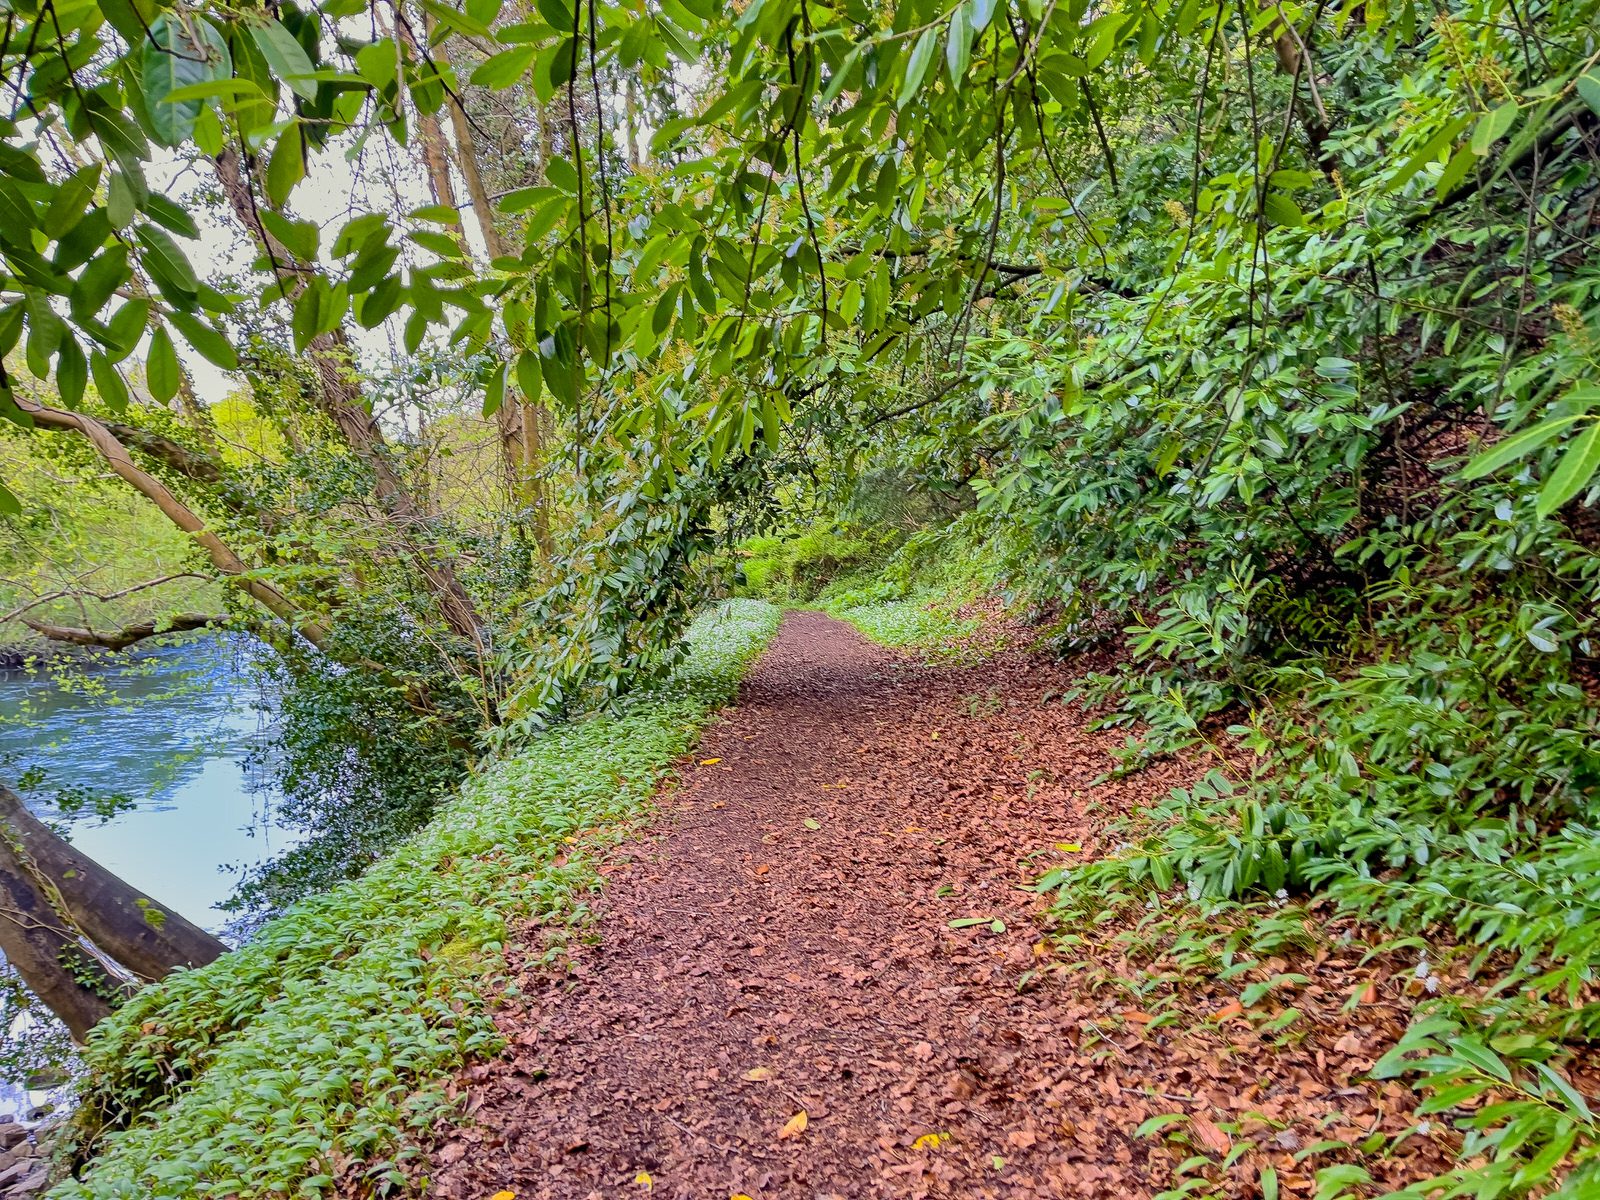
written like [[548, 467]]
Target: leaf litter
[[853, 968]]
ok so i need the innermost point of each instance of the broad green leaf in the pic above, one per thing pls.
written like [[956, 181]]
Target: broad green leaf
[[1589, 88], [286, 167], [213, 346], [287, 58], [563, 175], [502, 70], [179, 52], [164, 258], [839, 78], [1518, 445], [161, 370], [72, 371], [494, 391], [1281, 210], [958, 49], [1493, 126], [529, 380], [917, 65], [108, 382], [300, 238], [1573, 473]]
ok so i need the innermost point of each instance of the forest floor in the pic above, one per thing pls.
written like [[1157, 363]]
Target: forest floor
[[821, 972]]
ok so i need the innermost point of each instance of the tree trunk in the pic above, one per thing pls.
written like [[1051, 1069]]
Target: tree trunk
[[47, 955], [519, 421], [340, 399], [635, 136], [124, 636], [130, 928]]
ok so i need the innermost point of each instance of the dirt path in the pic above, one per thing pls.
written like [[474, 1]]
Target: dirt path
[[742, 941], [781, 943]]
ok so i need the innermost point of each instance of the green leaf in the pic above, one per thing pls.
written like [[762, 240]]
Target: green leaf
[[502, 70], [1157, 1123], [917, 66], [1493, 126], [177, 53], [529, 381], [439, 214], [127, 326], [287, 58], [1589, 88], [840, 77], [1518, 445], [958, 50], [286, 167], [161, 371], [72, 371], [300, 238], [563, 175], [108, 382], [213, 346], [1573, 472], [494, 391], [165, 259], [969, 922], [1281, 210]]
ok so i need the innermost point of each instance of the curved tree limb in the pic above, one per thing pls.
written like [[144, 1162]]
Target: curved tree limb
[[127, 635], [221, 554]]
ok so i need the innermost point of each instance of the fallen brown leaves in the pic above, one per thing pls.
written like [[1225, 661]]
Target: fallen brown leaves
[[795, 911]]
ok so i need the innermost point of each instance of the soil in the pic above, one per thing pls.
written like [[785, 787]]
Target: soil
[[822, 973]]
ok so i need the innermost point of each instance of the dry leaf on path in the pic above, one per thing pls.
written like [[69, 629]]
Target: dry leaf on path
[[1210, 1136], [758, 1075], [794, 1126], [709, 762]]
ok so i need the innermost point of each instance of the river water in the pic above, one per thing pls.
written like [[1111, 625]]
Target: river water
[[171, 729]]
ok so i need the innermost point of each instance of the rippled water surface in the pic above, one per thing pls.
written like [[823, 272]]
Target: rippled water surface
[[169, 728]]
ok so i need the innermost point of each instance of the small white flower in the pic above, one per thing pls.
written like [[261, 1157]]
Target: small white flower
[[1425, 1128], [1423, 969], [1282, 893]]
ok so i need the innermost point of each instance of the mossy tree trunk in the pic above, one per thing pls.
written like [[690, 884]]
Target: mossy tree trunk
[[80, 937]]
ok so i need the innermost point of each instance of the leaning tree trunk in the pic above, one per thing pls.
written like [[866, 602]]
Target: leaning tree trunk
[[116, 456], [130, 928], [46, 953], [341, 401]]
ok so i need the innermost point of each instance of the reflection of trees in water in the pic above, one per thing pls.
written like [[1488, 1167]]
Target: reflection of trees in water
[[87, 736], [92, 735]]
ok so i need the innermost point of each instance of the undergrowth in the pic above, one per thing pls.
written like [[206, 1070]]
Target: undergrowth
[[331, 1034]]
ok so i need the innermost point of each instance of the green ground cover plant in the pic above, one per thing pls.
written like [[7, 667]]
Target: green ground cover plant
[[330, 1034]]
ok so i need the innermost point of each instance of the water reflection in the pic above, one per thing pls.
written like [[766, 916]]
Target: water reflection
[[171, 728]]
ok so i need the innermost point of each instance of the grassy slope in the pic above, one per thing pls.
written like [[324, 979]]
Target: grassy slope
[[328, 1036]]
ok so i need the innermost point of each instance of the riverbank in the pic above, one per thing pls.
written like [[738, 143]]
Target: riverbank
[[336, 1029]]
